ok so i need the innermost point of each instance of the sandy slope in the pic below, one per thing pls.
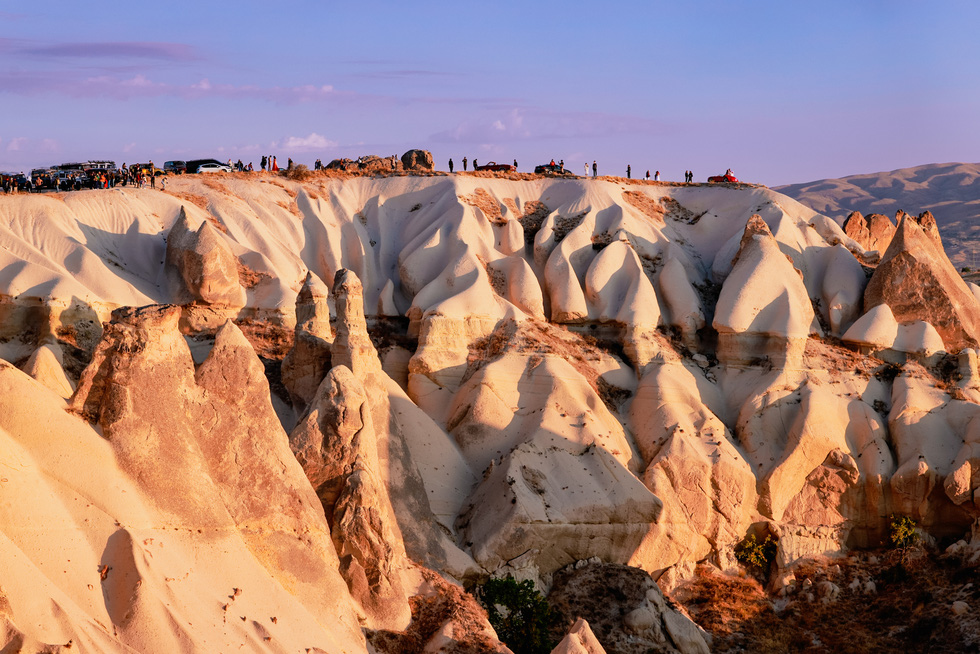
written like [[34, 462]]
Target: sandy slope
[[950, 191]]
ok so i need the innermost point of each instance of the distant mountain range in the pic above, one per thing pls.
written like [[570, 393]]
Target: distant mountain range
[[951, 191]]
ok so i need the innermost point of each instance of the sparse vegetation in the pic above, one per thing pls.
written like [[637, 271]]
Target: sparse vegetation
[[299, 173], [519, 614], [753, 554], [902, 533]]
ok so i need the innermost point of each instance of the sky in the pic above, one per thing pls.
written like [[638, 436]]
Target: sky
[[781, 92]]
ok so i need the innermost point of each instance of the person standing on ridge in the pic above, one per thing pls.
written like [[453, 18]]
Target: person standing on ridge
[[450, 164], [562, 164], [656, 176], [595, 168], [648, 175], [628, 170], [464, 164], [586, 168], [515, 164], [474, 164], [262, 163]]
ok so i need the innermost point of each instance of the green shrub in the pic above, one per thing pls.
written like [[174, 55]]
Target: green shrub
[[519, 614], [753, 554], [902, 533]]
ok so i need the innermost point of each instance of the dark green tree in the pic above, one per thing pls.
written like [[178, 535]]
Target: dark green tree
[[519, 614]]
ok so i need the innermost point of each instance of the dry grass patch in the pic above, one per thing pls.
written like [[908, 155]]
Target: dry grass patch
[[250, 278], [193, 198], [646, 205], [485, 202], [909, 610], [446, 603], [268, 340]]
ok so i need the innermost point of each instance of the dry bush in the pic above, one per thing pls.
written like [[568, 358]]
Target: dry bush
[[447, 603], [298, 173], [909, 611], [250, 278]]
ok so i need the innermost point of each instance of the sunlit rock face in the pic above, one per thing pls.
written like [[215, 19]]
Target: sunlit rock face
[[477, 375]]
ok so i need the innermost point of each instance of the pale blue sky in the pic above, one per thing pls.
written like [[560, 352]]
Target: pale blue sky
[[779, 91]]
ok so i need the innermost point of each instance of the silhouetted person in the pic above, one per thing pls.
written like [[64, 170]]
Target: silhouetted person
[[628, 170], [595, 168], [450, 165], [464, 164], [474, 164], [648, 175], [515, 164]]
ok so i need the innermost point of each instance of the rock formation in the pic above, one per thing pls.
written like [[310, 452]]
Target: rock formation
[[417, 160], [579, 640], [764, 310], [917, 282], [336, 444], [204, 263], [307, 362], [873, 232], [637, 621], [565, 371]]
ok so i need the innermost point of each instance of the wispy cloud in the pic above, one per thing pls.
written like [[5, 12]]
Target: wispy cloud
[[17, 144], [154, 50], [306, 143], [136, 86], [531, 123]]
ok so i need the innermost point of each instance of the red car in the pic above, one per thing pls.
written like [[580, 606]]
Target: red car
[[727, 177], [493, 165]]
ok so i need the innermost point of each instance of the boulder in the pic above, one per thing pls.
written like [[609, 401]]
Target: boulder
[[366, 164], [539, 495], [625, 609], [918, 282], [418, 160]]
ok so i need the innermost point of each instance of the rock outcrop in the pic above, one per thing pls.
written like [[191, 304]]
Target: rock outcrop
[[917, 282], [764, 310], [625, 609], [873, 232], [417, 160], [204, 264], [307, 362], [336, 444], [579, 640], [540, 494], [229, 469]]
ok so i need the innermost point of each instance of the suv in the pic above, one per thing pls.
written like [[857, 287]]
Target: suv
[[175, 167]]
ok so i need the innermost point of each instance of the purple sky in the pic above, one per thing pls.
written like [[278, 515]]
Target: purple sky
[[781, 92]]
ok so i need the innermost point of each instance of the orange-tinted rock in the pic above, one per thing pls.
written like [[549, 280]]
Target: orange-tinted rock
[[918, 282], [873, 232]]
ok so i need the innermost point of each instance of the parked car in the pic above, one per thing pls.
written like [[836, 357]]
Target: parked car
[[43, 178], [726, 178], [213, 168], [552, 169], [493, 165], [175, 167], [194, 164]]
